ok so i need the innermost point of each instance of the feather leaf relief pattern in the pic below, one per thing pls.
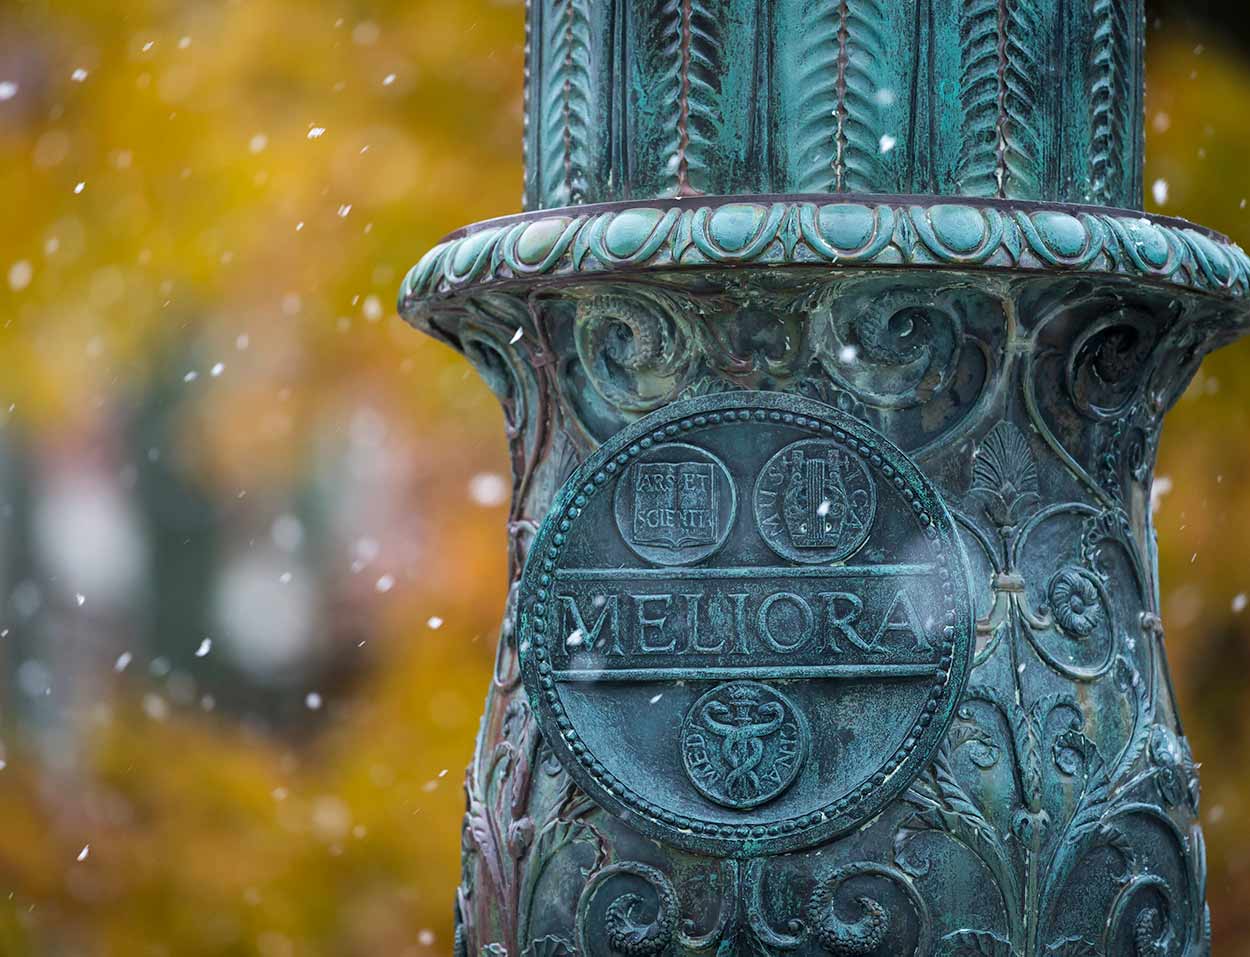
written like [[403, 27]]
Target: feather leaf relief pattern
[[863, 142], [817, 132], [564, 106], [1110, 97], [704, 60], [999, 93]]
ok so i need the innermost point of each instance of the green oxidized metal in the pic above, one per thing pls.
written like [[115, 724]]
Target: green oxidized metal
[[751, 643], [833, 351]]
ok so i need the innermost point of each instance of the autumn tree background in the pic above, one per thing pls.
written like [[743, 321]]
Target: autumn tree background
[[252, 526]]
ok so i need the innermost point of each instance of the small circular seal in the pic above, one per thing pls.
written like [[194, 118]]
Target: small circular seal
[[815, 502], [743, 744], [675, 504]]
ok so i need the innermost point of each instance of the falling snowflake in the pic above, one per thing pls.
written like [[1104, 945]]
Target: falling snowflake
[[20, 275], [488, 489], [1159, 488]]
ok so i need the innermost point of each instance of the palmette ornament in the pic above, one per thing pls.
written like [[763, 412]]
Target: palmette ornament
[[834, 623]]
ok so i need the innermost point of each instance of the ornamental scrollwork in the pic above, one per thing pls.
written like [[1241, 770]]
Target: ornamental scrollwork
[[1102, 370], [893, 347], [1032, 863], [632, 909], [1068, 618], [1122, 360], [638, 918], [1064, 757], [921, 360], [571, 368], [869, 931], [635, 348], [1049, 746], [515, 829]]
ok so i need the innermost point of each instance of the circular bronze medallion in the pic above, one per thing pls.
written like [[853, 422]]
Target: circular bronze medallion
[[745, 681]]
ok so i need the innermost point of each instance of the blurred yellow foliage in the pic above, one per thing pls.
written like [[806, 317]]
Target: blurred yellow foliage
[[243, 184]]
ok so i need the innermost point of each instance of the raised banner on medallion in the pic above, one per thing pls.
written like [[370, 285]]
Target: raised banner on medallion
[[745, 623]]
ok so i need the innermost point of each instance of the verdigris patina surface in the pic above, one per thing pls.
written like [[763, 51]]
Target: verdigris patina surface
[[758, 645], [835, 622]]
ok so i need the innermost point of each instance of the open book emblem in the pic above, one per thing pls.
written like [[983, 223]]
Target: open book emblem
[[675, 504]]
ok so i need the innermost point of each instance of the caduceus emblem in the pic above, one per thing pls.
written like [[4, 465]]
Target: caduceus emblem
[[743, 744], [742, 723]]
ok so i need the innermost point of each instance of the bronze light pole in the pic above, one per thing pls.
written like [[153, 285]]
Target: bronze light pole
[[833, 348]]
